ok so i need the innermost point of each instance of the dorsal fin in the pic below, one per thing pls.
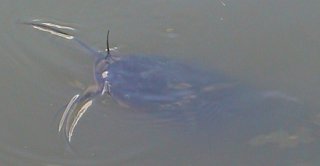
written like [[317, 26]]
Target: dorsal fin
[[108, 48]]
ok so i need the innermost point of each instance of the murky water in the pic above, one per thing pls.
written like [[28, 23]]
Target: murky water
[[268, 45]]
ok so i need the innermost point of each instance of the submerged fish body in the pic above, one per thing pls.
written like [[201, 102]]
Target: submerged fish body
[[156, 81], [158, 84]]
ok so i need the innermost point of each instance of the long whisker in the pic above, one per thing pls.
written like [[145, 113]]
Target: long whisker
[[51, 28], [69, 130], [58, 30], [77, 108], [67, 110]]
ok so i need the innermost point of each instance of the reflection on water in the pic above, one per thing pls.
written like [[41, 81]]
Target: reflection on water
[[283, 139], [262, 45]]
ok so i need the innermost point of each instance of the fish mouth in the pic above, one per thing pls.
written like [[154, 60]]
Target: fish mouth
[[72, 114]]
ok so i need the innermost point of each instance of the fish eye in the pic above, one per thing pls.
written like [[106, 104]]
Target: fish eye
[[105, 74]]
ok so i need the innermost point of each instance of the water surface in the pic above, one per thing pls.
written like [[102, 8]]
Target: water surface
[[269, 45]]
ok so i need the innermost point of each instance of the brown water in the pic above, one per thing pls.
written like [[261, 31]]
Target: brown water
[[268, 44]]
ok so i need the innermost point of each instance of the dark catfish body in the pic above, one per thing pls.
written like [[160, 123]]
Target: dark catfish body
[[161, 85]]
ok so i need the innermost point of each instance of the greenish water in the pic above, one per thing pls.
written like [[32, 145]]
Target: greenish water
[[271, 45]]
